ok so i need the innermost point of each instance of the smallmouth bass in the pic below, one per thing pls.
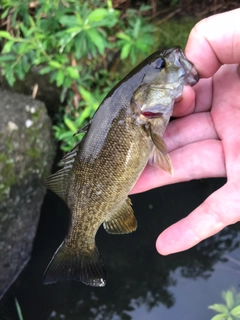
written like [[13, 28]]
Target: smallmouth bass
[[97, 175]]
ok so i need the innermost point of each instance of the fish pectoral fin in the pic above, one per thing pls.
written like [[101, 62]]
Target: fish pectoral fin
[[161, 160], [68, 264], [122, 220], [158, 142]]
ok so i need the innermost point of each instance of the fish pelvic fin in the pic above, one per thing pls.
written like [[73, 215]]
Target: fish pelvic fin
[[161, 160], [67, 264], [122, 220]]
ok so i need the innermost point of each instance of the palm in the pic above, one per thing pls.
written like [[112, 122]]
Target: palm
[[203, 142]]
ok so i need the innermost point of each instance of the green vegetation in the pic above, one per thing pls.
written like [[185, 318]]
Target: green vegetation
[[19, 311], [231, 309], [73, 42], [174, 31]]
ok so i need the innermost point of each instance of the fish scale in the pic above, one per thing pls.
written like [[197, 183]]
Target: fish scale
[[123, 135]]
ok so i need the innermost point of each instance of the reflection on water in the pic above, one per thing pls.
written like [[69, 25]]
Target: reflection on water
[[141, 284]]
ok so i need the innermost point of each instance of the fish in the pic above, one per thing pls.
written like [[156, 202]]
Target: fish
[[124, 134]]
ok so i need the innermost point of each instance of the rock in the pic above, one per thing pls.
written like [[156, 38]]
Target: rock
[[26, 154]]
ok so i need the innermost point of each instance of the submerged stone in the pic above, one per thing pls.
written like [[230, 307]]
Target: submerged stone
[[26, 154]]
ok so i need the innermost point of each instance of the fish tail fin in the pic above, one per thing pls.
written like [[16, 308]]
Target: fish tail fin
[[67, 264]]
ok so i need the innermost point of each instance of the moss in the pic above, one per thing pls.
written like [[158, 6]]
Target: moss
[[33, 153], [7, 177], [7, 172]]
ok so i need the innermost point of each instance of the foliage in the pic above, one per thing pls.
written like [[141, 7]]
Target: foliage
[[19, 311], [231, 309], [71, 41]]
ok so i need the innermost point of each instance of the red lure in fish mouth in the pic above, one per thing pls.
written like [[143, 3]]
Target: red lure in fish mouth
[[151, 115]]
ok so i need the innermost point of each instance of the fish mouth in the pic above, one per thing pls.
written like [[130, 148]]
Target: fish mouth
[[151, 115], [192, 77]]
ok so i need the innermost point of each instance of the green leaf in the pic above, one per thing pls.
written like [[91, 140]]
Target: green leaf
[[69, 21], [45, 70], [70, 124], [19, 311], [229, 299], [219, 317], [125, 51], [218, 307], [60, 77], [5, 13], [10, 76], [97, 14], [24, 30], [86, 95], [123, 36], [73, 72], [64, 135], [97, 39], [6, 35], [7, 46], [7, 57], [136, 28], [55, 64], [235, 311]]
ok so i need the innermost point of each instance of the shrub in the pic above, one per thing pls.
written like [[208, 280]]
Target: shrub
[[73, 42]]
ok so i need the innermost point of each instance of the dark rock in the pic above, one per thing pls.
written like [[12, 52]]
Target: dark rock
[[26, 154]]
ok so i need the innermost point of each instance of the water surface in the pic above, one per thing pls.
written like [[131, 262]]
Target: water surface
[[141, 284]]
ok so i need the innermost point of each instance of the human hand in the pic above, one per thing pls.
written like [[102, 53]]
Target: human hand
[[205, 140]]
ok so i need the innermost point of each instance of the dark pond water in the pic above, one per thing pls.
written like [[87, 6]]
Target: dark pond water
[[141, 284]]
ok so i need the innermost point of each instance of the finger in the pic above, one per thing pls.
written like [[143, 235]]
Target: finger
[[226, 113], [215, 41], [194, 161], [186, 105], [186, 130], [218, 211], [196, 99]]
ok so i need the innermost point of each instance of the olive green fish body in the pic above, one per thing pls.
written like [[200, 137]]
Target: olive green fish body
[[124, 134]]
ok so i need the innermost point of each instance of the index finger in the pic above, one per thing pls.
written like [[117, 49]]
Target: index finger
[[215, 41]]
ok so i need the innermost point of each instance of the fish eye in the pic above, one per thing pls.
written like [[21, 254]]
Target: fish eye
[[160, 63]]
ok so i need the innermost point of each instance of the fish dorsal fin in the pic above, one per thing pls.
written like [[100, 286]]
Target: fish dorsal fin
[[160, 160], [57, 182], [122, 220], [84, 129]]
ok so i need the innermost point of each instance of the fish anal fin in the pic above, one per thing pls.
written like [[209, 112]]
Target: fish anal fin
[[161, 160], [68, 264], [122, 220]]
